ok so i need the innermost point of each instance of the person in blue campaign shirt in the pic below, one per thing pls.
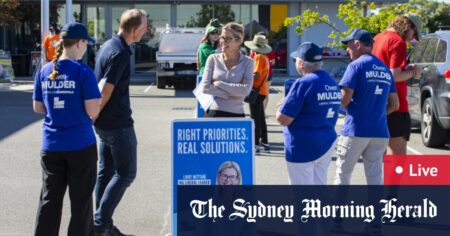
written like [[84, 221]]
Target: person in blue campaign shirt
[[309, 113], [66, 91], [369, 94]]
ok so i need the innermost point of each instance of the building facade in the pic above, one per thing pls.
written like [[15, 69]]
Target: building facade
[[102, 19]]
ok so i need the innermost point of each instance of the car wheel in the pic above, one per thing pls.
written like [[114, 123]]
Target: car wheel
[[160, 82], [433, 135]]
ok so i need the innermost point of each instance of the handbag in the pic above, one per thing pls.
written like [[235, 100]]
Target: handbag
[[253, 95]]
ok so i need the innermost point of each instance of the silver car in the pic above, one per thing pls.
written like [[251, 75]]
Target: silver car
[[429, 96]]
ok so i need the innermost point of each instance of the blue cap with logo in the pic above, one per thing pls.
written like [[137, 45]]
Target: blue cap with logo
[[76, 30], [309, 52], [361, 35]]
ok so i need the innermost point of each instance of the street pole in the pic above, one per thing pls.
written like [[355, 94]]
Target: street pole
[[45, 16], [69, 11]]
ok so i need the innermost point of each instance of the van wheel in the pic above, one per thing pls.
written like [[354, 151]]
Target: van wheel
[[433, 135], [160, 82]]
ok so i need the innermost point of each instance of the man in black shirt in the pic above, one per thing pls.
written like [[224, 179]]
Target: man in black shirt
[[114, 126]]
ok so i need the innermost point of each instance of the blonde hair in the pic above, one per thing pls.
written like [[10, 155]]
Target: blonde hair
[[131, 19], [236, 29], [64, 43], [401, 25], [226, 165]]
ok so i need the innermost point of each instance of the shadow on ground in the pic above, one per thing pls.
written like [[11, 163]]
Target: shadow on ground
[[16, 112]]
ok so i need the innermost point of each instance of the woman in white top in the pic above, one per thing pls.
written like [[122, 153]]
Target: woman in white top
[[228, 75]]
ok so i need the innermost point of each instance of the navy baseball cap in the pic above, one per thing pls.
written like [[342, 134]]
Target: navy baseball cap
[[309, 52], [361, 35], [76, 30]]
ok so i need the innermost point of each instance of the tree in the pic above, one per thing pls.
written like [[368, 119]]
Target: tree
[[353, 14], [222, 12], [437, 13], [8, 14]]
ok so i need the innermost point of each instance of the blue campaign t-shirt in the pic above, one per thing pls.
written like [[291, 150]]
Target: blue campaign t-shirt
[[372, 82], [313, 101], [67, 126]]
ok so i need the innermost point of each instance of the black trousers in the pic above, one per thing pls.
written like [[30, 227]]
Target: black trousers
[[259, 117], [78, 171]]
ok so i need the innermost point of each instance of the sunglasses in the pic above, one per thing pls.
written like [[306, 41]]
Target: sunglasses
[[214, 33], [226, 39]]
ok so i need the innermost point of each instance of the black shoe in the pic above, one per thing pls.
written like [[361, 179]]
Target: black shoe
[[257, 150], [265, 147], [116, 232]]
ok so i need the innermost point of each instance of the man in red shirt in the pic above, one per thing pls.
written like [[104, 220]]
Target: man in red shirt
[[390, 47]]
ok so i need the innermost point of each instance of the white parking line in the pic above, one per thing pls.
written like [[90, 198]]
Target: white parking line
[[149, 87], [413, 150]]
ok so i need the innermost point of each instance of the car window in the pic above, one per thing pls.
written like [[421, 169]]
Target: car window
[[441, 52], [416, 55], [428, 54]]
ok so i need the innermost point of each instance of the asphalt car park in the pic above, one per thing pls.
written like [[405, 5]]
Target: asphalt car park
[[144, 209]]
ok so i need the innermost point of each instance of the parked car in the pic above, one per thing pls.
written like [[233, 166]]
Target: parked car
[[429, 96], [280, 48], [177, 56]]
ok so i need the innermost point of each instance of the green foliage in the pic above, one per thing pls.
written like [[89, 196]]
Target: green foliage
[[8, 18], [222, 12], [353, 16]]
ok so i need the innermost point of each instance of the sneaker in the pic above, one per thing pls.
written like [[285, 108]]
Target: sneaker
[[265, 147], [116, 232], [257, 149]]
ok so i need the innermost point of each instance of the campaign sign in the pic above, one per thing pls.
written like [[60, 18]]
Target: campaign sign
[[199, 111], [6, 69], [211, 152], [313, 210]]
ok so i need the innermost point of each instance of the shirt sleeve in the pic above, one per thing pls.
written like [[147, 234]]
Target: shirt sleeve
[[46, 41], [202, 56], [37, 92], [349, 78], [89, 85], [393, 88], [207, 82], [261, 65], [398, 55], [293, 103], [240, 89], [115, 68]]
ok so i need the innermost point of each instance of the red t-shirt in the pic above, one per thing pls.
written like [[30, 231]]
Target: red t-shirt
[[390, 48]]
